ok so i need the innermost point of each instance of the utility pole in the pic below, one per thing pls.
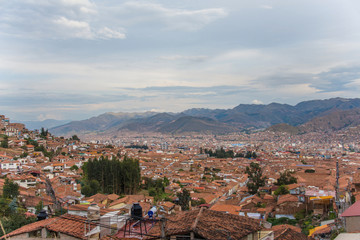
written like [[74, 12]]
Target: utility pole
[[163, 223], [337, 182]]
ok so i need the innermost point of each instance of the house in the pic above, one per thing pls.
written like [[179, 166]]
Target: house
[[208, 224], [288, 232], [352, 218], [10, 165], [63, 227], [287, 206]]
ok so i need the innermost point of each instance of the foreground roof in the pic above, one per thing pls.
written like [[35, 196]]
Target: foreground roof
[[209, 224], [68, 224], [353, 210]]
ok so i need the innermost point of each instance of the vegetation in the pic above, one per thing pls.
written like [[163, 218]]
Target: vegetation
[[90, 188], [5, 142], [282, 190], [74, 168], [156, 188], [283, 220], [286, 178], [197, 202], [11, 216], [113, 176], [221, 153], [309, 170], [184, 199], [75, 138], [44, 133], [10, 189], [256, 179], [138, 147]]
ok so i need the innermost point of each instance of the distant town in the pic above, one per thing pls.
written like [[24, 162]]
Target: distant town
[[259, 185]]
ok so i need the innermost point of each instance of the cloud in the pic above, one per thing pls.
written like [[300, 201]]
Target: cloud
[[173, 18], [107, 33], [45, 19], [186, 58], [266, 6], [337, 78], [255, 101]]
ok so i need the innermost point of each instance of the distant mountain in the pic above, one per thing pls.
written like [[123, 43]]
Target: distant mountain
[[335, 120], [48, 123], [260, 115], [100, 123], [203, 120], [149, 124], [188, 124], [283, 127]]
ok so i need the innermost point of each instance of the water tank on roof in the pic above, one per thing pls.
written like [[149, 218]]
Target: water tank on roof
[[152, 212], [93, 212], [42, 215], [136, 211]]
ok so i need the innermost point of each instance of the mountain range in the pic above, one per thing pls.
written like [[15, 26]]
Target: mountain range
[[329, 114]]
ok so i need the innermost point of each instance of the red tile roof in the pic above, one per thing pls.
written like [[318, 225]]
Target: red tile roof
[[209, 224], [67, 224], [353, 210]]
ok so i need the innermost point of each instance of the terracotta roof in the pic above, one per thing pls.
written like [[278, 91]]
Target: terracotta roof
[[209, 224], [232, 209], [30, 227], [288, 232], [113, 197], [287, 198], [353, 210], [68, 224]]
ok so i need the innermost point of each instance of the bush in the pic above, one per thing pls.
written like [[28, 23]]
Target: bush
[[309, 170]]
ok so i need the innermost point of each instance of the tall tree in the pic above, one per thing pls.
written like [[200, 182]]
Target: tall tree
[[286, 178], [10, 189], [184, 199], [256, 179]]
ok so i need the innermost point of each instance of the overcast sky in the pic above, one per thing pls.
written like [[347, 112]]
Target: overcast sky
[[73, 59]]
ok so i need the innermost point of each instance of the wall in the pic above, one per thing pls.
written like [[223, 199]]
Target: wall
[[352, 224]]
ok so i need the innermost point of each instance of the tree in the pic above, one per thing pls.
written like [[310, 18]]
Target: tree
[[256, 179], [282, 190], [39, 207], [5, 142], [15, 221], [4, 207], [75, 138], [74, 168], [184, 199], [286, 178], [10, 189], [43, 133]]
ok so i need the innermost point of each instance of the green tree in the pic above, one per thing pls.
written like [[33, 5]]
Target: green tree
[[15, 221], [256, 179], [282, 190], [4, 207], [10, 189], [43, 133], [74, 168], [75, 137], [39, 207], [184, 199], [286, 178], [5, 142]]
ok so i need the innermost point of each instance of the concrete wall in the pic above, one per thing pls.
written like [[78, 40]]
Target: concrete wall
[[352, 224]]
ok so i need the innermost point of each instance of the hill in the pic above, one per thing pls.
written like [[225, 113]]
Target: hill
[[334, 121], [241, 117]]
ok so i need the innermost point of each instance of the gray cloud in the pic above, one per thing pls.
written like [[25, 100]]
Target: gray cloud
[[80, 58]]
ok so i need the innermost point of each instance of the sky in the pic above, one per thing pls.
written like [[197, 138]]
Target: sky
[[74, 59]]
